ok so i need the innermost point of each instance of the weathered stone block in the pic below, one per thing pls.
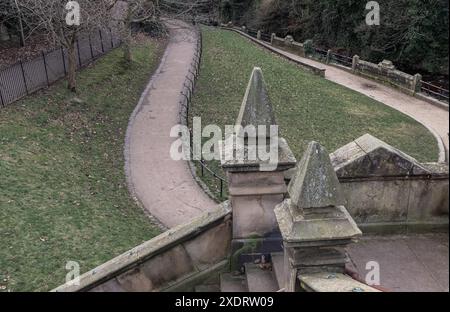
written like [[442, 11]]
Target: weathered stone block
[[377, 201], [254, 215], [428, 200], [135, 281], [168, 267], [329, 282], [388, 189], [368, 156], [256, 183], [210, 247], [110, 286]]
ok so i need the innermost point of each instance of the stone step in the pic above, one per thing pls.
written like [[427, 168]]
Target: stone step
[[278, 268], [259, 280], [332, 282], [207, 288], [232, 283]]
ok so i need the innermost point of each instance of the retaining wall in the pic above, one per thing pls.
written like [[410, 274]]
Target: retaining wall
[[390, 75], [389, 191], [288, 44], [177, 260], [398, 204]]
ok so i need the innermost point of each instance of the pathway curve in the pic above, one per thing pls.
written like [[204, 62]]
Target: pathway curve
[[166, 188], [436, 119]]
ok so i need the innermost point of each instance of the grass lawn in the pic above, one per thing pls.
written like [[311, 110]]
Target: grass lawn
[[307, 107], [63, 195]]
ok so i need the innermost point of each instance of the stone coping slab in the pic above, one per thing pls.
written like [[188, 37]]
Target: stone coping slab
[[149, 249], [332, 282]]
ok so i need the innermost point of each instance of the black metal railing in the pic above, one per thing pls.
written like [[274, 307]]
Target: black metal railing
[[24, 78], [434, 91], [320, 52], [252, 32], [341, 59], [185, 103], [266, 37]]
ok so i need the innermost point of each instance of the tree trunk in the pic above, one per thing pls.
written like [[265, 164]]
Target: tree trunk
[[128, 56], [126, 29], [72, 68], [21, 32]]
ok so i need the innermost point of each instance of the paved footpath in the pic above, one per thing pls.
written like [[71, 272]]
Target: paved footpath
[[436, 119], [407, 263], [164, 187]]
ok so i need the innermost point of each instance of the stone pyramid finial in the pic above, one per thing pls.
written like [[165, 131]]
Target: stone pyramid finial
[[315, 213], [315, 184], [256, 109]]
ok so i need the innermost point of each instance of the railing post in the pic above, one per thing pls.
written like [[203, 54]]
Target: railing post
[[101, 40], [258, 35], [111, 35], [23, 75], [63, 61], [355, 62], [417, 83], [329, 52], [45, 67], [79, 54], [272, 38], [90, 47], [1, 98]]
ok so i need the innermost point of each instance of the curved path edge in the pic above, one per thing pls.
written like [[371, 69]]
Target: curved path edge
[[127, 167], [396, 99], [163, 187]]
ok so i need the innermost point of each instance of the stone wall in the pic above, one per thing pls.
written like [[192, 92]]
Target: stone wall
[[386, 72], [398, 204], [387, 190], [177, 260], [288, 44], [296, 48]]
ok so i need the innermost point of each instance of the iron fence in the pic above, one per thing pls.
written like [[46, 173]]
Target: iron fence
[[434, 91], [252, 32], [341, 59], [266, 37], [185, 103], [320, 52], [24, 78]]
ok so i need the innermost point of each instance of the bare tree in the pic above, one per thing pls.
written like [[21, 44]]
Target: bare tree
[[11, 15], [128, 12], [20, 22], [49, 17], [202, 10]]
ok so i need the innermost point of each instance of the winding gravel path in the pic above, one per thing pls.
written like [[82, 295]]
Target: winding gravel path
[[434, 118], [164, 187]]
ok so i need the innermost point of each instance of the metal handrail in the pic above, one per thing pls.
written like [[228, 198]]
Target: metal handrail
[[187, 92]]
